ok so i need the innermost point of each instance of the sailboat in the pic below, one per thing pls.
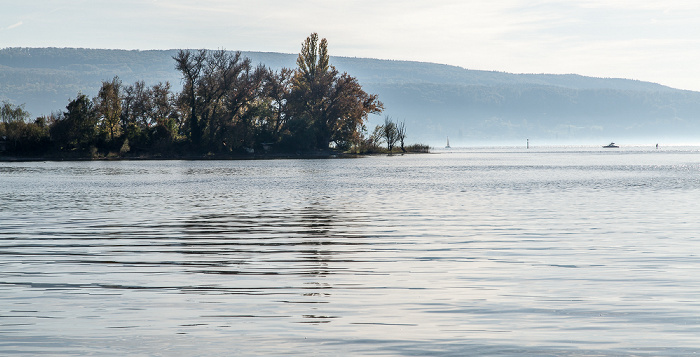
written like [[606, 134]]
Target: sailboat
[[448, 143]]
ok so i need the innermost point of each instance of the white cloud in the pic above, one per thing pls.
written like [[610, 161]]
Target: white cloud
[[640, 39], [18, 24]]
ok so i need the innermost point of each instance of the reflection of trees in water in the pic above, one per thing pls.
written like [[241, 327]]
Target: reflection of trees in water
[[308, 245], [291, 240], [317, 225]]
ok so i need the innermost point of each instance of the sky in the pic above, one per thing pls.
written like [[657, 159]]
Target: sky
[[649, 40]]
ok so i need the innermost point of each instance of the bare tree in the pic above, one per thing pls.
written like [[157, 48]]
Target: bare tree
[[390, 133], [191, 66], [401, 133], [277, 87]]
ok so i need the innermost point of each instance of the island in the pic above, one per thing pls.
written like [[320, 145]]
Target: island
[[227, 108]]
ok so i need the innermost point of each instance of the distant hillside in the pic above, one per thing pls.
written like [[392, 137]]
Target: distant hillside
[[469, 106]]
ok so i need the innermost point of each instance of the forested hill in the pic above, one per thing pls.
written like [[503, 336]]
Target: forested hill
[[469, 106]]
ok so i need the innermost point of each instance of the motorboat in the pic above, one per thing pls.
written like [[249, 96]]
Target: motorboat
[[611, 145]]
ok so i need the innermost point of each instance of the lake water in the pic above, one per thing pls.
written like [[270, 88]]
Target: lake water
[[571, 251]]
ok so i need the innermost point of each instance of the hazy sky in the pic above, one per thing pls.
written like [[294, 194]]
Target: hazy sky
[[651, 40]]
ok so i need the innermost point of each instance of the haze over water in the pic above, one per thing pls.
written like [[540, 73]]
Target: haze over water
[[494, 251]]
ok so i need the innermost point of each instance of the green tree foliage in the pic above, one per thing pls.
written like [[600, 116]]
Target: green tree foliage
[[149, 117], [12, 113], [164, 123], [76, 129], [108, 105], [311, 87], [134, 119], [17, 134], [12, 125]]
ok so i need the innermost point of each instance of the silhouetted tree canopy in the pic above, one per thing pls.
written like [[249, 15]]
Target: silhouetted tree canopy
[[77, 128], [327, 107], [227, 105]]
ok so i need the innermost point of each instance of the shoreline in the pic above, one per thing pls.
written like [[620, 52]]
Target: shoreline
[[237, 157]]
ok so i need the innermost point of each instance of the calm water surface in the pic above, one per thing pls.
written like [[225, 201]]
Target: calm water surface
[[507, 252]]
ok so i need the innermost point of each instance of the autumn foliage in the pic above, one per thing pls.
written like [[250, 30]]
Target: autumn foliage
[[226, 106]]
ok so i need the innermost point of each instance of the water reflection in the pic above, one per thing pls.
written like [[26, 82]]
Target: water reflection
[[312, 242], [294, 238], [474, 253]]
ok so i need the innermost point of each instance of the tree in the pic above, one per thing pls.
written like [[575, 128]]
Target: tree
[[311, 85], [329, 106], [401, 134], [77, 128], [390, 133], [348, 111], [19, 134], [135, 114], [276, 89], [191, 66], [161, 113], [377, 136], [11, 113], [236, 123], [221, 89], [108, 105]]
